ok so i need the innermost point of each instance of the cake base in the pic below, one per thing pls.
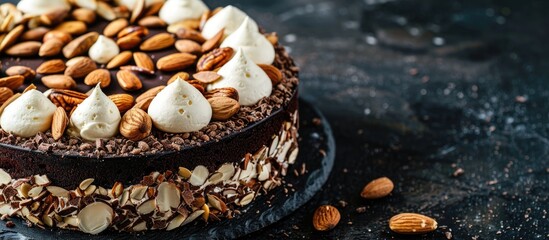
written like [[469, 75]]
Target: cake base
[[306, 176]]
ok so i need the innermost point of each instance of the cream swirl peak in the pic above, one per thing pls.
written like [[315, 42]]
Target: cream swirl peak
[[103, 50], [37, 7], [254, 44], [242, 74], [28, 115], [229, 18], [180, 108], [178, 10], [96, 117]]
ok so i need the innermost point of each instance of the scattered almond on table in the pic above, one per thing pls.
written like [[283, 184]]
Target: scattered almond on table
[[377, 188], [412, 223], [325, 218]]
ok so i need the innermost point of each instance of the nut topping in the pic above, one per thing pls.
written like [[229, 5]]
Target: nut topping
[[136, 124], [206, 77], [24, 71], [120, 59], [158, 42], [128, 81], [98, 76], [59, 123], [80, 45], [115, 27], [59, 81], [24, 49], [143, 60], [215, 59], [223, 108], [12, 82], [122, 101], [175, 62], [51, 67], [80, 68]]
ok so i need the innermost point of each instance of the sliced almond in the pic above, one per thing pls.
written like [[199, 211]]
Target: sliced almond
[[175, 62], [117, 189], [188, 46], [80, 68], [12, 82], [176, 222], [5, 177], [58, 191], [74, 28], [122, 101], [146, 208], [217, 203], [168, 197], [51, 67], [59, 123], [80, 45], [143, 60], [128, 81], [115, 27], [35, 191], [24, 49], [120, 59], [213, 42], [199, 176], [184, 173], [206, 77], [95, 218], [52, 47], [24, 71], [138, 192], [59, 81], [98, 76], [158, 42]]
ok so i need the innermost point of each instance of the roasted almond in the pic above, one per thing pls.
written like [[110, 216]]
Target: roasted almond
[[24, 49], [189, 34], [80, 45], [143, 60], [412, 223], [59, 35], [213, 42], [175, 62], [206, 77], [144, 103], [137, 69], [58, 81], [183, 75], [192, 24], [223, 108], [188, 46], [67, 99], [5, 94], [34, 34], [222, 92], [24, 71], [154, 8], [274, 73], [59, 123], [51, 67], [85, 15], [11, 37], [158, 42], [215, 59], [377, 188], [128, 42], [139, 31], [135, 125], [149, 93], [52, 47], [325, 218], [54, 16], [138, 10], [128, 81], [120, 59], [74, 28], [98, 76], [122, 101], [105, 11], [12, 82], [152, 22], [80, 68], [115, 27]]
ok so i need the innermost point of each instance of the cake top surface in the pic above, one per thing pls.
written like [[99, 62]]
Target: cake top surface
[[134, 77]]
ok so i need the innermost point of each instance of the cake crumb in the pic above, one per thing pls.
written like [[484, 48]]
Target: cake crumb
[[10, 224]]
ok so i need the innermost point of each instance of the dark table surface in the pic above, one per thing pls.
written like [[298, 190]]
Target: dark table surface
[[415, 90]]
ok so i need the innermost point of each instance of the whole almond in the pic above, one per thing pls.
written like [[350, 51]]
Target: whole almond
[[191, 24], [80, 68], [137, 69], [128, 42], [59, 35], [54, 16], [377, 188], [138, 10], [34, 34], [274, 73], [158, 42], [52, 47], [122, 101], [154, 8], [11, 37], [143, 60], [51, 67], [136, 124], [189, 34], [24, 71], [24, 49], [144, 104], [325, 218], [149, 93], [183, 75], [152, 22], [12, 82], [5, 94], [128, 81], [58, 81], [223, 108], [115, 27], [138, 31], [84, 15], [175, 62], [59, 123], [213, 42], [188, 46], [98, 76], [412, 223], [206, 77], [105, 11], [67, 99], [120, 59], [74, 28], [80, 45], [222, 92], [215, 59]]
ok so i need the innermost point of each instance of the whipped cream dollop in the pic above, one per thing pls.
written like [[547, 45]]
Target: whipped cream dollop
[[178, 10], [254, 44], [96, 117], [28, 115], [180, 108], [38, 7], [242, 74], [103, 50], [131, 3], [229, 18]]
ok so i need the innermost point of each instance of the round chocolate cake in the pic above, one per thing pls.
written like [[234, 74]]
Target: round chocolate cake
[[137, 115]]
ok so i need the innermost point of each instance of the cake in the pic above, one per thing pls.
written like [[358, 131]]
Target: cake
[[139, 115]]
